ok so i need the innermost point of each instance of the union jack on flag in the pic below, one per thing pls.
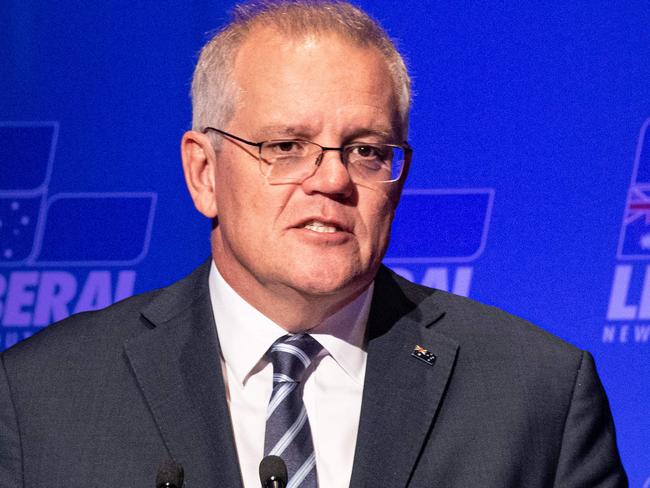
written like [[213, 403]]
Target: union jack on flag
[[638, 204], [423, 354], [634, 241], [635, 232]]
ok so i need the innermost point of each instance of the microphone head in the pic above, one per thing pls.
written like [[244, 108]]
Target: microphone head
[[272, 468], [170, 475]]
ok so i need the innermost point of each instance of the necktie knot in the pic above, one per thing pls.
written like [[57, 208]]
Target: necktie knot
[[291, 355]]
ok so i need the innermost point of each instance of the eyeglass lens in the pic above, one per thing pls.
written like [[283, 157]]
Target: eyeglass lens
[[294, 161]]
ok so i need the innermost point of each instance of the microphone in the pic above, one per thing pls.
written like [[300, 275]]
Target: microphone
[[273, 472], [170, 475]]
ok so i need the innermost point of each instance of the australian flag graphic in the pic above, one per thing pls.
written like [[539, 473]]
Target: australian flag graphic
[[634, 242]]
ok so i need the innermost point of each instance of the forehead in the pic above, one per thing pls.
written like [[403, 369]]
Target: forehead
[[314, 79]]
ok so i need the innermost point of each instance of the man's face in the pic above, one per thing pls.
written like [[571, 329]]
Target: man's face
[[326, 235]]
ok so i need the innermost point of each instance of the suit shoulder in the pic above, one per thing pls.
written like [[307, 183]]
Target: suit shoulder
[[86, 334], [111, 325], [470, 322]]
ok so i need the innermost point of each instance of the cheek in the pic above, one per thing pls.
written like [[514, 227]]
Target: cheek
[[383, 231], [237, 188], [377, 216], [252, 207], [224, 181]]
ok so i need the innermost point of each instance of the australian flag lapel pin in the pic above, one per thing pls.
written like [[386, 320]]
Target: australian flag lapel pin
[[423, 355]]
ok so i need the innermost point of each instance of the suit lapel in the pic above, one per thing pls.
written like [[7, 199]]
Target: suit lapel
[[401, 393], [177, 366]]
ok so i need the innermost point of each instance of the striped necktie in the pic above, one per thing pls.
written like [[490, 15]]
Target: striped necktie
[[288, 434]]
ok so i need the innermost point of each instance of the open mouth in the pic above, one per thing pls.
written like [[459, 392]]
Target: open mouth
[[321, 227]]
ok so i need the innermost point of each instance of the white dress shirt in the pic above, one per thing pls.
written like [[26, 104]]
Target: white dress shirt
[[332, 393]]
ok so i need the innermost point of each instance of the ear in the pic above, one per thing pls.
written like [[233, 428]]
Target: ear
[[199, 161]]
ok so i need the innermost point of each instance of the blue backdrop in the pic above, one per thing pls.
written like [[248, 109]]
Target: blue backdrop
[[530, 188]]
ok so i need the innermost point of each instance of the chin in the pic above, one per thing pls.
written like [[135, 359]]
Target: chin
[[330, 281]]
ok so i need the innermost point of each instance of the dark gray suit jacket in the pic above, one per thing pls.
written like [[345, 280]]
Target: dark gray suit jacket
[[100, 399]]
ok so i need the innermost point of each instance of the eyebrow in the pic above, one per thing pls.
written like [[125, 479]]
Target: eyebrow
[[383, 134], [285, 131], [304, 131]]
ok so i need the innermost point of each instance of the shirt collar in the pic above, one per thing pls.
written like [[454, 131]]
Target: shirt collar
[[241, 327], [343, 335]]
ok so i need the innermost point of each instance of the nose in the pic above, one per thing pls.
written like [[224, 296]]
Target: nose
[[331, 177]]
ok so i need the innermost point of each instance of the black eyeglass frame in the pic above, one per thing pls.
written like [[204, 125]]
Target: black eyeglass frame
[[408, 150]]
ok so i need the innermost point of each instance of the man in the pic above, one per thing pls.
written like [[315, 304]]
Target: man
[[298, 155]]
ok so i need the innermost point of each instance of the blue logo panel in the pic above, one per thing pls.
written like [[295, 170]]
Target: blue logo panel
[[440, 225], [99, 229]]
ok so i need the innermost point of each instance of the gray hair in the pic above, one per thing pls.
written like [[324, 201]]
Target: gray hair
[[214, 93]]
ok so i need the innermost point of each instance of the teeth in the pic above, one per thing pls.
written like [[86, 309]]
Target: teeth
[[320, 227]]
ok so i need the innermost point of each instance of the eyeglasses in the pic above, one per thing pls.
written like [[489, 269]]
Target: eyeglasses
[[295, 160]]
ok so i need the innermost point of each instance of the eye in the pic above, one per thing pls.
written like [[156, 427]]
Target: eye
[[366, 151], [285, 148], [370, 152]]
